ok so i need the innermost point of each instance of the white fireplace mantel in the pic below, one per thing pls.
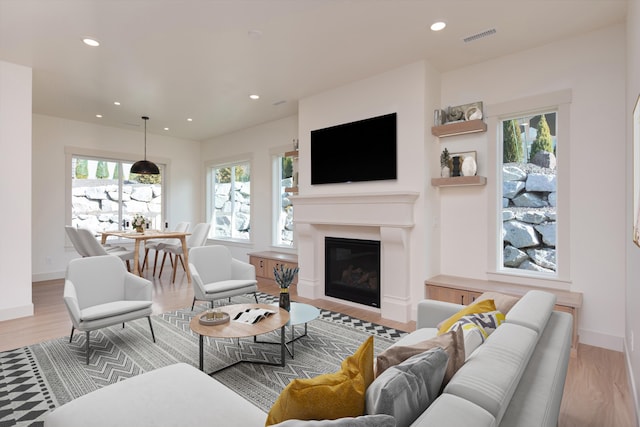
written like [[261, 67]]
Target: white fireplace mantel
[[389, 215], [371, 209]]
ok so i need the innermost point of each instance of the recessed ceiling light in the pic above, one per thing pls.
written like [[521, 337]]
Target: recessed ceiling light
[[99, 116], [189, 119], [116, 103], [91, 42], [254, 96], [166, 128], [437, 26]]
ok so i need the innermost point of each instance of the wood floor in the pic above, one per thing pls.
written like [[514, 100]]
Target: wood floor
[[596, 394]]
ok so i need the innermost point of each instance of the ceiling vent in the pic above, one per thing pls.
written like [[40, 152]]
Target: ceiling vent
[[480, 35]]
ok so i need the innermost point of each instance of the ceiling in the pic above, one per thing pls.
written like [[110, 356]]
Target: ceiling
[[175, 60]]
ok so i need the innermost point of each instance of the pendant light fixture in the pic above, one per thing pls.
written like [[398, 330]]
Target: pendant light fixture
[[145, 167]]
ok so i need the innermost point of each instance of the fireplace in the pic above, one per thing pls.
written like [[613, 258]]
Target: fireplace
[[387, 217], [352, 270]]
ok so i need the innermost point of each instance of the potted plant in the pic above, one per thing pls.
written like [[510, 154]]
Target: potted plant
[[284, 277], [445, 172]]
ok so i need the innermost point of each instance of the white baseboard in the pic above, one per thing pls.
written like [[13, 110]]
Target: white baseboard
[[16, 312], [598, 339], [632, 384], [52, 275]]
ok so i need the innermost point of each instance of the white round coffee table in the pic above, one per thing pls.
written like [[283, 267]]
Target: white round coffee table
[[298, 314]]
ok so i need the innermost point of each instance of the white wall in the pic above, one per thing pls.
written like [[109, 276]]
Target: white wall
[[592, 67], [52, 135], [259, 144], [633, 252], [15, 188]]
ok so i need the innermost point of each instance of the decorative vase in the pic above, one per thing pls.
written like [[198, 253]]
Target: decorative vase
[[469, 167], [285, 301], [456, 162], [445, 172], [140, 229]]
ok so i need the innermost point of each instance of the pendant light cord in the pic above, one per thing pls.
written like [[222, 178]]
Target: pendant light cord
[[145, 118]]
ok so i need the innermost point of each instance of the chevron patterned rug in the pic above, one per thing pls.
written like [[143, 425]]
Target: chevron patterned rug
[[38, 378]]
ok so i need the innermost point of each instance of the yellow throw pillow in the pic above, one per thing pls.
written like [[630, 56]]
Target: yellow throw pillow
[[328, 396], [503, 302], [477, 307]]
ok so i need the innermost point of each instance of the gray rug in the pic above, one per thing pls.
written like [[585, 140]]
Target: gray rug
[[37, 378]]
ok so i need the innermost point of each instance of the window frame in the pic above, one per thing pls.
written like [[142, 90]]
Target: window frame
[[559, 102], [71, 152], [210, 197], [276, 200]]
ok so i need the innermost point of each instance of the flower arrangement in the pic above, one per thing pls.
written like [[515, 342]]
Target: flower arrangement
[[138, 222], [284, 276]]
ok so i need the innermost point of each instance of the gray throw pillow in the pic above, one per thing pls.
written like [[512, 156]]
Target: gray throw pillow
[[406, 390], [363, 421]]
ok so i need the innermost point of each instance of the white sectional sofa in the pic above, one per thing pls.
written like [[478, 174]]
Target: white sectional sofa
[[515, 379], [173, 396]]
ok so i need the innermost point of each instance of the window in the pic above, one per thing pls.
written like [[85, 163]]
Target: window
[[529, 192], [105, 196], [230, 201], [283, 171], [498, 116]]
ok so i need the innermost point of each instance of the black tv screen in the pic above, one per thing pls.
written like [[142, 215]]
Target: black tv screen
[[365, 150]]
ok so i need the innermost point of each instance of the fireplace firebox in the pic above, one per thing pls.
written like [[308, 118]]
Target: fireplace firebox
[[352, 270]]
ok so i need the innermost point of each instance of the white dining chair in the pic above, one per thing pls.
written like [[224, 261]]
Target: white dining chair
[[76, 241], [181, 227], [197, 238], [94, 248], [80, 247]]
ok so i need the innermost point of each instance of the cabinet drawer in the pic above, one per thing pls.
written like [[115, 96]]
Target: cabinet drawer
[[457, 296], [260, 264]]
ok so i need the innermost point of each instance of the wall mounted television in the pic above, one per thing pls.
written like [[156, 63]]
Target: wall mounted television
[[365, 150]]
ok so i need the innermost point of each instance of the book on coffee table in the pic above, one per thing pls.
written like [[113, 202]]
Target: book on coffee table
[[252, 315]]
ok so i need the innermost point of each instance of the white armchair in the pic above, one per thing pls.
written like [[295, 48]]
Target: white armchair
[[216, 275], [99, 292]]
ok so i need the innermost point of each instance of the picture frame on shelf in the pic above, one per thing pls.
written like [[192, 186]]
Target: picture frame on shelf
[[468, 169]]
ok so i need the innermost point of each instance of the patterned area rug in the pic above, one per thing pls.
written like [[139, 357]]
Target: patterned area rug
[[38, 378]]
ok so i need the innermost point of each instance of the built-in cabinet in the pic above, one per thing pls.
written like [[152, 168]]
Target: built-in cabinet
[[458, 296], [462, 290], [266, 261]]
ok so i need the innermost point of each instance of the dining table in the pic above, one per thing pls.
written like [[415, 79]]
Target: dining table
[[138, 237]]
